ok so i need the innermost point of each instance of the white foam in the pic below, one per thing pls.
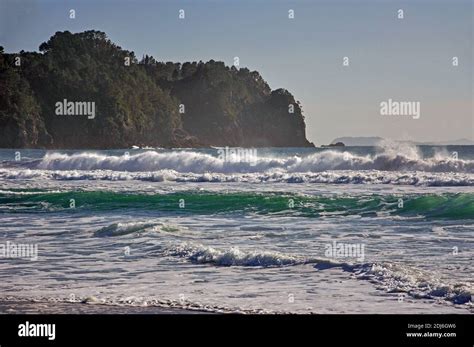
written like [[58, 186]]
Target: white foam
[[118, 229], [415, 178], [399, 278], [390, 277], [234, 256]]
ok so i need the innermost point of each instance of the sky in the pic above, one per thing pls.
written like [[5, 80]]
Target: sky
[[406, 60]]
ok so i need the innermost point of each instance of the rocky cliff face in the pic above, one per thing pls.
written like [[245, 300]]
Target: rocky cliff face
[[136, 102]]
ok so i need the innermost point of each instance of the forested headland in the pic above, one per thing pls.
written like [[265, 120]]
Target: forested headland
[[141, 102]]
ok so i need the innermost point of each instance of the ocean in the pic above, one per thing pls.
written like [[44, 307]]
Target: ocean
[[278, 230]]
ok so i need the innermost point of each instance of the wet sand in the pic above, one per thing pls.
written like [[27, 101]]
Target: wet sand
[[44, 307]]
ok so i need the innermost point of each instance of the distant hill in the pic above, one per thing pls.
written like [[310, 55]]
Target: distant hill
[[358, 141], [375, 141], [144, 103], [459, 142]]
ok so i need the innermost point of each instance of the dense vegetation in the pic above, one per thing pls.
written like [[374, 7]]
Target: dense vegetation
[[146, 102]]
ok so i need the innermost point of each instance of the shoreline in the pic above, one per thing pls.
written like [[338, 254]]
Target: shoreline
[[12, 307]]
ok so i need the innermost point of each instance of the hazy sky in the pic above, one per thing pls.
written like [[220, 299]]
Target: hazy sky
[[406, 59]]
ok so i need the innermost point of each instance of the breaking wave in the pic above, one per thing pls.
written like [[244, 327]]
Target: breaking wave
[[199, 163], [390, 277], [327, 177], [235, 257]]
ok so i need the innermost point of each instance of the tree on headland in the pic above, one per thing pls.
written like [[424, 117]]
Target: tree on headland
[[20, 121]]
